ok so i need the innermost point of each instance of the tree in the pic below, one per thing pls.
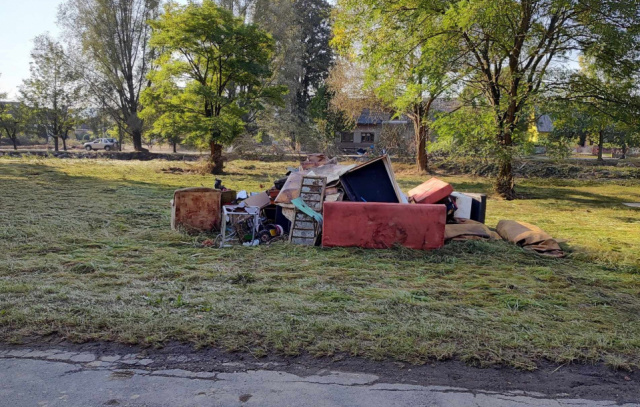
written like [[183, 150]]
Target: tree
[[13, 120], [570, 123], [99, 120], [113, 36], [578, 122], [406, 76], [168, 126], [506, 48], [53, 91], [212, 71], [329, 122], [301, 30], [599, 102], [349, 95], [317, 55], [239, 8]]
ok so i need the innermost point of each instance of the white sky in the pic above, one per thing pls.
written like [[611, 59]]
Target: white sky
[[20, 22]]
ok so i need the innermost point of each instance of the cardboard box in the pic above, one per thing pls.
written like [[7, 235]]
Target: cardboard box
[[196, 209]]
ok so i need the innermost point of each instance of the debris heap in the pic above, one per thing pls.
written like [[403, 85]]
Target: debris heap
[[323, 202]]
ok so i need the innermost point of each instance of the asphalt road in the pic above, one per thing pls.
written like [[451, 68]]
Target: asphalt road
[[59, 377]]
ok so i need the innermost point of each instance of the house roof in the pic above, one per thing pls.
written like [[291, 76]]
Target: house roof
[[367, 117], [544, 124], [370, 117], [445, 105]]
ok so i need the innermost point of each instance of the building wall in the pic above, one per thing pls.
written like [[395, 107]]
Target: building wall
[[357, 142], [398, 136]]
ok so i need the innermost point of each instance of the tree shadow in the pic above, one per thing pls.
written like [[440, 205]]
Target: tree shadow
[[526, 192], [530, 192]]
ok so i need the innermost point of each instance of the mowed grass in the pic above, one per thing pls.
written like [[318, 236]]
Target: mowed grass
[[87, 254]]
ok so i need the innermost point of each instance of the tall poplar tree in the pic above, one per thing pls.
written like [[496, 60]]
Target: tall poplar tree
[[113, 37], [53, 91]]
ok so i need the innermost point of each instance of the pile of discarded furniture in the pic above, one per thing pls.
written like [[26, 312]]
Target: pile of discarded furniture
[[334, 205]]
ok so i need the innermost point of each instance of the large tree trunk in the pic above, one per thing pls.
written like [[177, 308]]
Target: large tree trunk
[[583, 139], [134, 127], [55, 144], [505, 185], [624, 150], [217, 163], [293, 141], [600, 144], [64, 143], [174, 146], [422, 160], [120, 137], [136, 135], [14, 140], [420, 117]]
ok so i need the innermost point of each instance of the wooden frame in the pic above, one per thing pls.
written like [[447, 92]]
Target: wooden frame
[[304, 229]]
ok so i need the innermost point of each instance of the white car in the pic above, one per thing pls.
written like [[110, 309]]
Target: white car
[[107, 144]]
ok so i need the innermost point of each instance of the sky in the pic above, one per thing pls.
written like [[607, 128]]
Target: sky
[[20, 22]]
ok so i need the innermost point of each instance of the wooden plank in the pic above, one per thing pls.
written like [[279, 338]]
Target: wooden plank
[[304, 233], [315, 190], [310, 197], [304, 229], [392, 177], [302, 216], [315, 181], [306, 224], [303, 241]]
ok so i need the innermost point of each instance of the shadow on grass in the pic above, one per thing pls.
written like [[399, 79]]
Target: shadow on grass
[[627, 219], [527, 192], [530, 192]]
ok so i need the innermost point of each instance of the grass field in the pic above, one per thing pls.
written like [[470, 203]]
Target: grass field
[[87, 254]]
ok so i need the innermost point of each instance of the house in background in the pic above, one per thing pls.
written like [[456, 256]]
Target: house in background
[[371, 125], [541, 126], [83, 132], [369, 128]]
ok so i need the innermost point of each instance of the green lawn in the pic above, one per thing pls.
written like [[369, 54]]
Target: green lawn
[[87, 253]]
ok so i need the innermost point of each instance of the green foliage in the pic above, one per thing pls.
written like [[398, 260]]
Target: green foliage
[[598, 105], [467, 132], [504, 49], [312, 16], [211, 73], [327, 121], [301, 30], [405, 72], [470, 131], [400, 66], [14, 119], [110, 40], [53, 91]]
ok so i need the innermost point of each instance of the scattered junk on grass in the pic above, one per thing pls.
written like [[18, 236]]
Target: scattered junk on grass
[[335, 205], [530, 237]]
